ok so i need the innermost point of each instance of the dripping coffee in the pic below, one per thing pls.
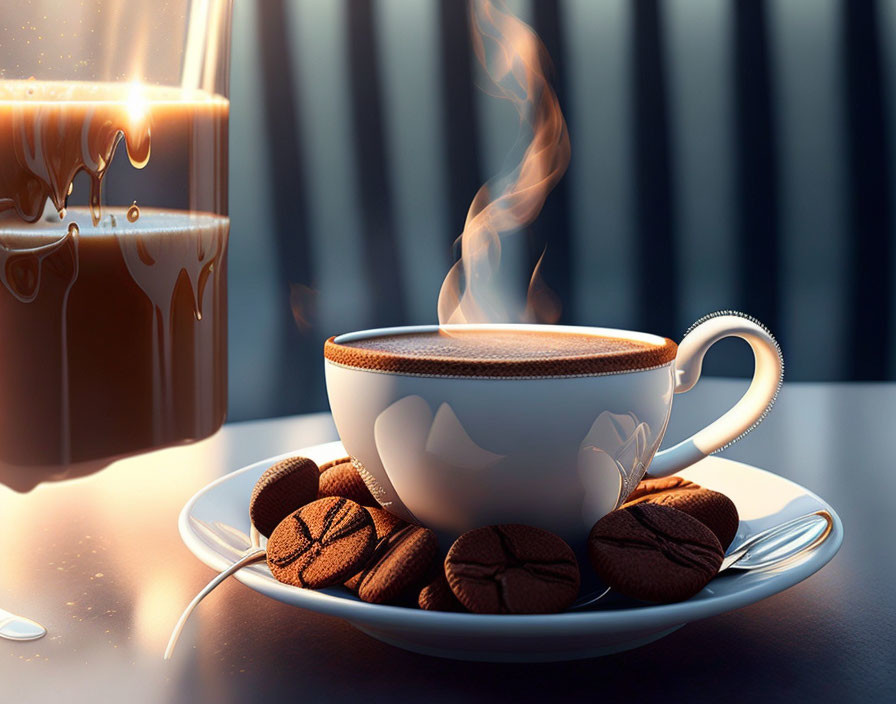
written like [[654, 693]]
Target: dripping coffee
[[113, 316]]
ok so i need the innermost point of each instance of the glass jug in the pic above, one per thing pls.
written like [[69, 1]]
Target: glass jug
[[113, 230]]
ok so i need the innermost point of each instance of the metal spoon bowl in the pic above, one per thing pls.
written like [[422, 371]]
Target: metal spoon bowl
[[779, 545], [14, 627]]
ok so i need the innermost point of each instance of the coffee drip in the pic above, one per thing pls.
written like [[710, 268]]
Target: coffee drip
[[162, 256], [22, 261], [56, 130]]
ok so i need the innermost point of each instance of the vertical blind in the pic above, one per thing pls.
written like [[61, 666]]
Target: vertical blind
[[725, 154]]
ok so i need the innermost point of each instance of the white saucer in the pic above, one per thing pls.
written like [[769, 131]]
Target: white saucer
[[215, 524]]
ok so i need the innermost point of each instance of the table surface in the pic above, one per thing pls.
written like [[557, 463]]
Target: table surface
[[98, 560]]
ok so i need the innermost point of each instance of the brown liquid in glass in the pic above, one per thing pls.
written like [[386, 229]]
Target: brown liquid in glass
[[113, 325]]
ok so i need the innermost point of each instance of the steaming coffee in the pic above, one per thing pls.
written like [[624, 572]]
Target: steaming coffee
[[501, 352], [465, 426]]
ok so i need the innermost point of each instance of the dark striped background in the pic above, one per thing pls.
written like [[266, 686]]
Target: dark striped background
[[725, 155]]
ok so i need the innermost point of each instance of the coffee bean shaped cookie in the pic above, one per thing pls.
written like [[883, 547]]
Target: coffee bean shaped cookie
[[283, 488], [512, 569], [332, 463], [343, 480], [654, 553], [400, 562], [322, 543], [437, 596], [650, 485], [385, 524], [714, 510]]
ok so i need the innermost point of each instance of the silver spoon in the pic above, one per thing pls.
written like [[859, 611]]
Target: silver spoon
[[14, 627], [770, 548], [255, 553]]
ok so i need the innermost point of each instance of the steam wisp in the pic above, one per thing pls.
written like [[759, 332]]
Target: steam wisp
[[516, 61]]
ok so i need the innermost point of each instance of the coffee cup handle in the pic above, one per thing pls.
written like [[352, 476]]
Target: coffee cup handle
[[747, 413]]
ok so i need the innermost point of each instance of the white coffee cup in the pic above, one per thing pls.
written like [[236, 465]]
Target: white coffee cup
[[455, 453]]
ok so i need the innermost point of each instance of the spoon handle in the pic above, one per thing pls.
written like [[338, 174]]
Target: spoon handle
[[250, 556], [588, 599]]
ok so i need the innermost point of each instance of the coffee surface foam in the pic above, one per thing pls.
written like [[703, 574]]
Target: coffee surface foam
[[498, 345], [501, 353]]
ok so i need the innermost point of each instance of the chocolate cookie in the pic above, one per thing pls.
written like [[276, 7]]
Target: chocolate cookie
[[343, 480], [332, 463], [437, 596], [322, 543], [283, 488], [711, 508], [651, 485], [512, 569], [401, 561], [654, 552], [385, 524]]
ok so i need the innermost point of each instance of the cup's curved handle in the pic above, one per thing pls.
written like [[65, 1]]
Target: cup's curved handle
[[746, 413]]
